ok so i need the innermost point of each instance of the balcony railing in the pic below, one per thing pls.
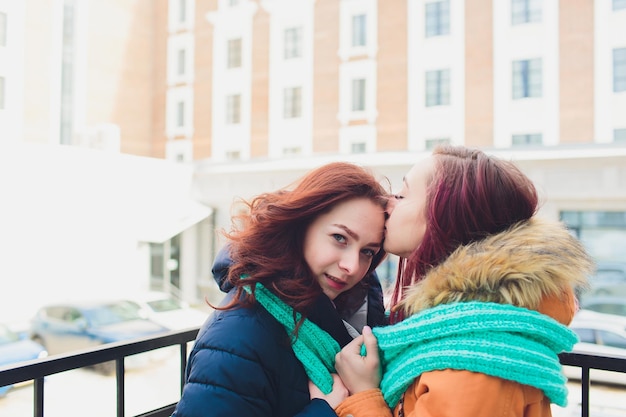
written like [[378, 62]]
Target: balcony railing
[[37, 370]]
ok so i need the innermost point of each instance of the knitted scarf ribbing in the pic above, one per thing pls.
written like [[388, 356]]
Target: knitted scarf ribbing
[[313, 347], [500, 340]]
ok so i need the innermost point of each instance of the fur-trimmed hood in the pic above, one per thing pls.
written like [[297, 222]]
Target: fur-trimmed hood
[[523, 266]]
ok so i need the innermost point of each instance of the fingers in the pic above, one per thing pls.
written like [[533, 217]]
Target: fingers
[[354, 347], [359, 371], [370, 342], [335, 397]]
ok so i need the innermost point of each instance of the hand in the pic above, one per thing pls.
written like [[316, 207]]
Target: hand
[[359, 373], [335, 397]]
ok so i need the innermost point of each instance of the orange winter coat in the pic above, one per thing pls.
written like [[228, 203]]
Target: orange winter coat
[[535, 265]]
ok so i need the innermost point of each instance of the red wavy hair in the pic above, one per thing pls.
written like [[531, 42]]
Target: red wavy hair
[[472, 195], [266, 242]]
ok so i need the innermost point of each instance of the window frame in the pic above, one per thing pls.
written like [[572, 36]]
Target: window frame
[[233, 109], [527, 139], [619, 70], [437, 87], [181, 16], [3, 28], [618, 5], [292, 102], [358, 37], [2, 92], [437, 18], [527, 78], [292, 42], [233, 53], [358, 100], [525, 11]]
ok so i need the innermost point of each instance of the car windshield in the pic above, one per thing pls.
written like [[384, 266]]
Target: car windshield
[[163, 305], [609, 276], [7, 336], [112, 313]]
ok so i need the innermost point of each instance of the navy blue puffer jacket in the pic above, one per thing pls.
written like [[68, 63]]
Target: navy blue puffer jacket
[[242, 363]]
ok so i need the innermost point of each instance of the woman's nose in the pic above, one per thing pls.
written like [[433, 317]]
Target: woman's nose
[[349, 262]]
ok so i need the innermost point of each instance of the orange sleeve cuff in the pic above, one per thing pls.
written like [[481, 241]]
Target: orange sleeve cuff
[[368, 403]]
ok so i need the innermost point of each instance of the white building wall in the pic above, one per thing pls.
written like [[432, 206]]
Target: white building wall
[[292, 72], [230, 23], [11, 69], [435, 53], [357, 62], [609, 107], [518, 42]]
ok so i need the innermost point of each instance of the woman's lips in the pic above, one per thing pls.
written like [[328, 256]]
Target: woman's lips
[[335, 283]]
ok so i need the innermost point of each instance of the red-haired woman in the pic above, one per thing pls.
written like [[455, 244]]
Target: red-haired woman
[[299, 255], [484, 295]]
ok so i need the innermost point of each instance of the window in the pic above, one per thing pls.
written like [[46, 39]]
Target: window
[[358, 147], [527, 139], [292, 102], [68, 71], [527, 80], [182, 11], [233, 109], [619, 135], [432, 143], [585, 335], [3, 29], [293, 43], [437, 17], [1, 93], [437, 88], [295, 150], [181, 62], [619, 4], [358, 94], [525, 11], [233, 155], [359, 30], [612, 339], [234, 53], [180, 114], [619, 69]]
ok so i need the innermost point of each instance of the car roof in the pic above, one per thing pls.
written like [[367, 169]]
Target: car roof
[[85, 304], [601, 265], [602, 299], [592, 319]]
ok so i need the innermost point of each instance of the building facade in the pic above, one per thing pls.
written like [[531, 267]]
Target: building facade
[[254, 92]]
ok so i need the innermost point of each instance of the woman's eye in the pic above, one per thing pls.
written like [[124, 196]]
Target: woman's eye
[[398, 196], [339, 238], [369, 253]]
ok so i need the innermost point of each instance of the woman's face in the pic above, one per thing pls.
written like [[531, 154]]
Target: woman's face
[[407, 211], [339, 245]]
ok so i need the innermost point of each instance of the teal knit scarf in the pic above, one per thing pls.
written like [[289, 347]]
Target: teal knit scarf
[[500, 340], [313, 347]]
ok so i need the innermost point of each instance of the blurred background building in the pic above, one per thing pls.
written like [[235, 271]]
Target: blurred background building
[[249, 94]]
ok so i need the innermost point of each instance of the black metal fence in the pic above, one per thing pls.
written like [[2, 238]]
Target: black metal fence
[[37, 370]]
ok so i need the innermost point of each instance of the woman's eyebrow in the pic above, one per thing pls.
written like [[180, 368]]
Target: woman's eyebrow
[[349, 231], [354, 235]]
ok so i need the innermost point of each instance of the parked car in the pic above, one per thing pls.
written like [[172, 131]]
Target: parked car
[[167, 311], [69, 327], [605, 304], [599, 334], [14, 349], [609, 279]]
